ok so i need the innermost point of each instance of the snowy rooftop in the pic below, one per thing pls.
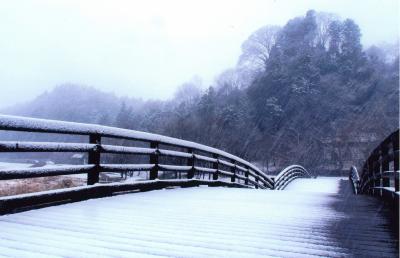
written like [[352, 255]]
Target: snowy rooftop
[[310, 218]]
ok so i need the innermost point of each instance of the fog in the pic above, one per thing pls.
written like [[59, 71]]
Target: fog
[[148, 48]]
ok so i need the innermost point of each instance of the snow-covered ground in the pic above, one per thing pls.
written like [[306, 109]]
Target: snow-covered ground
[[324, 185], [189, 222]]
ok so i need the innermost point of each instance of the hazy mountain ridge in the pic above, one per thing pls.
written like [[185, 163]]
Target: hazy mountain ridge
[[77, 103], [306, 93]]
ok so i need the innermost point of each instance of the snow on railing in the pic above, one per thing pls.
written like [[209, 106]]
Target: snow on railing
[[382, 167], [289, 174], [16, 123], [165, 155], [219, 163], [381, 174], [354, 179]]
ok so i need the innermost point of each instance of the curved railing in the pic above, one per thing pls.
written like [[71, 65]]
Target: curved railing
[[354, 179], [223, 168], [380, 174], [289, 174]]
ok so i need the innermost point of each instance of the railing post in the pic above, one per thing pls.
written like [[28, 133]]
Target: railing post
[[190, 162], [396, 165], [94, 159], [375, 172], [154, 160], [233, 170], [385, 165], [353, 178], [371, 182], [256, 178], [215, 166], [246, 174]]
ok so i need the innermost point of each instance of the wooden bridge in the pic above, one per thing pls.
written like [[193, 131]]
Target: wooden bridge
[[231, 212]]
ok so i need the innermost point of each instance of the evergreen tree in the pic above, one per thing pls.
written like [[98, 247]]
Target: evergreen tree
[[124, 117]]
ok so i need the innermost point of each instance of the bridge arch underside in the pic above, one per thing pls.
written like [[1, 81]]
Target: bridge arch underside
[[319, 217]]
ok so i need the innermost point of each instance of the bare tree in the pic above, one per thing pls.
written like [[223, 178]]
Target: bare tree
[[390, 50], [189, 91], [324, 20], [256, 49]]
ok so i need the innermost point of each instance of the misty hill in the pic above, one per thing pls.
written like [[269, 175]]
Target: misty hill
[[305, 93], [71, 102]]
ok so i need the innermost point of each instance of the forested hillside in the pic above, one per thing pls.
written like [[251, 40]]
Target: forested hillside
[[306, 93]]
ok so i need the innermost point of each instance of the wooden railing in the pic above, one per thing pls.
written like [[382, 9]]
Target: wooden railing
[[380, 174], [164, 156], [195, 159], [288, 175], [354, 178]]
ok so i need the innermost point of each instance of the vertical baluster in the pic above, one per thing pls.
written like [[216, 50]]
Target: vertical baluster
[[364, 178], [94, 159], [395, 144], [376, 167], [385, 165], [376, 170], [370, 175], [154, 160], [215, 166], [233, 170], [190, 162], [256, 178], [246, 174]]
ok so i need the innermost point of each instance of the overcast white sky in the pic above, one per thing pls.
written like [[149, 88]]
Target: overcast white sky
[[148, 48]]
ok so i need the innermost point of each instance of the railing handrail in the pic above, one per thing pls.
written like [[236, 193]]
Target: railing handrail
[[288, 174], [200, 159], [18, 123], [376, 167], [291, 167], [377, 177], [354, 178]]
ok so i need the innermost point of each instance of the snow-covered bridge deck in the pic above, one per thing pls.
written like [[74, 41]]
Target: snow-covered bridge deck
[[312, 217]]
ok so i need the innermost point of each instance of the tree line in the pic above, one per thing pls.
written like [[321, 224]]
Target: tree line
[[305, 93]]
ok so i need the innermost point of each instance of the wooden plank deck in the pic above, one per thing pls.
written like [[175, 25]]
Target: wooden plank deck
[[311, 218]]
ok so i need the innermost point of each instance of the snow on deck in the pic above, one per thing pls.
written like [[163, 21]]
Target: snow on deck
[[198, 222], [323, 185]]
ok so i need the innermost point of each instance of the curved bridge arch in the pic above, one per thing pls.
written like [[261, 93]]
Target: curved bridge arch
[[289, 174]]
